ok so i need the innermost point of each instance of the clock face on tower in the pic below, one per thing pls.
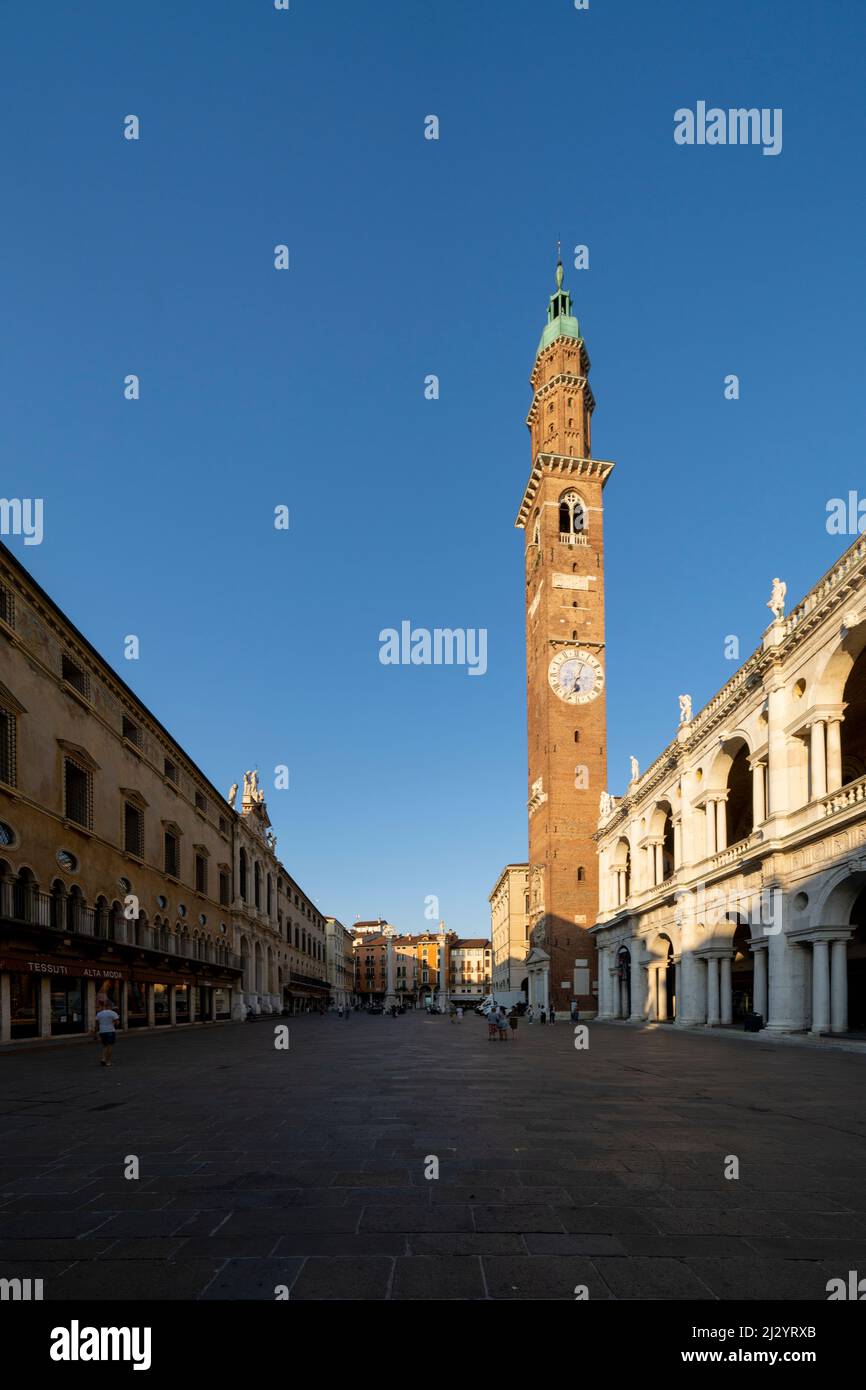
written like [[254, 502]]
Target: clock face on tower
[[576, 675]]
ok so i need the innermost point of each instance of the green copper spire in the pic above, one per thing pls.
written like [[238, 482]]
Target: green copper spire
[[561, 323]]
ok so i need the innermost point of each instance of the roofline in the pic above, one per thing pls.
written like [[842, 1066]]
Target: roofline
[[11, 558]]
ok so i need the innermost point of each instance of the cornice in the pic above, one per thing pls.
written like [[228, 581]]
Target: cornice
[[559, 465]]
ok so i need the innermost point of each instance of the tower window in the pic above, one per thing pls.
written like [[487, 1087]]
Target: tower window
[[572, 515], [581, 874], [577, 735]]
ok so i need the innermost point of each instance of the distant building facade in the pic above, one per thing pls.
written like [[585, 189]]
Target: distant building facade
[[471, 974], [340, 963], [509, 927]]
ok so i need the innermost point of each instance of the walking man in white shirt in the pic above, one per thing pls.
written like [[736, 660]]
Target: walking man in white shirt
[[106, 1019]]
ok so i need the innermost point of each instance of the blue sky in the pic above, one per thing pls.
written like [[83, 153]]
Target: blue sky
[[305, 388]]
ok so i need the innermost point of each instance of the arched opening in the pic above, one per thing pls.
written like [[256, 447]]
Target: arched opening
[[854, 723], [857, 966], [243, 874], [738, 807], [621, 870], [742, 971], [572, 515], [666, 982], [622, 980]]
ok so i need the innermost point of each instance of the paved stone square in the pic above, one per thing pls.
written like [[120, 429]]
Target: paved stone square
[[557, 1167]]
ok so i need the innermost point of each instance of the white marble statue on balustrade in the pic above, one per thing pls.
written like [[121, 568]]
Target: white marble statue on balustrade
[[635, 769], [685, 709], [232, 795], [776, 601], [605, 805]]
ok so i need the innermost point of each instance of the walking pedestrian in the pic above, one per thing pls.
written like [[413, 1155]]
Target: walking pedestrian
[[542, 1018], [512, 1022], [530, 1014], [459, 1014], [552, 1014], [106, 1019]]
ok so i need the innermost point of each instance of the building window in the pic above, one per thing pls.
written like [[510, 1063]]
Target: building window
[[200, 874], [7, 605], [224, 826], [131, 731], [224, 888], [172, 854], [243, 862], [201, 802], [257, 884], [133, 829], [8, 732], [75, 675], [78, 793], [170, 770]]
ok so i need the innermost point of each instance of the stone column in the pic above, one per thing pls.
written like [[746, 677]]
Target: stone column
[[759, 1002], [834, 754], [759, 810], [727, 1004], [820, 987], [839, 986], [89, 1003], [602, 982], [615, 994], [44, 1007], [818, 761], [651, 990], [151, 1006], [721, 825], [710, 817], [777, 752], [678, 843], [712, 992], [443, 967], [172, 1006], [5, 1007], [190, 994], [662, 977], [677, 987], [636, 972]]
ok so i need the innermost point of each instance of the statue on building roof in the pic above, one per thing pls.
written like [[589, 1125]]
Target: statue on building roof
[[776, 601], [233, 791], [685, 709], [635, 769]]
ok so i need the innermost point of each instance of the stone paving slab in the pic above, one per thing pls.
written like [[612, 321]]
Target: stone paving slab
[[558, 1169]]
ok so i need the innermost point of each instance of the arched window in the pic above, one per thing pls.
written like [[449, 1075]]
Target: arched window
[[243, 874], [572, 515]]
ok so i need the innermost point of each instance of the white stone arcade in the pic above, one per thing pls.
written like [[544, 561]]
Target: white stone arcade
[[733, 871]]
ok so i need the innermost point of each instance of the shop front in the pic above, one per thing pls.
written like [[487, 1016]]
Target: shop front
[[46, 995]]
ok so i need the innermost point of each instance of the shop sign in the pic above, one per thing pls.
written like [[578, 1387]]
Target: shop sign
[[51, 965]]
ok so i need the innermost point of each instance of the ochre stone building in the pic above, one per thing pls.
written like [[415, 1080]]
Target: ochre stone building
[[124, 873], [561, 517]]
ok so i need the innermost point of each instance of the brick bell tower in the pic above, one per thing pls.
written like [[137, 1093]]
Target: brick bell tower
[[561, 517]]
